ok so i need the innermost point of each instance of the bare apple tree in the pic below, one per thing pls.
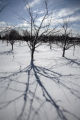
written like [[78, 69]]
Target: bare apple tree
[[13, 36], [38, 29], [66, 32]]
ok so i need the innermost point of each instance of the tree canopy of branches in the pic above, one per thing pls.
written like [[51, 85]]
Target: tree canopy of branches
[[36, 32], [65, 35]]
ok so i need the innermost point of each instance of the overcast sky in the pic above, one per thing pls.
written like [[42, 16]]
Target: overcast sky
[[14, 10]]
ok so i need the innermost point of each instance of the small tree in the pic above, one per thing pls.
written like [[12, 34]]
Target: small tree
[[65, 36], [13, 35]]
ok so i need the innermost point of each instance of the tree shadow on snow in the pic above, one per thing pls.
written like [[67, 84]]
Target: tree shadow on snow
[[6, 52], [73, 61], [30, 95]]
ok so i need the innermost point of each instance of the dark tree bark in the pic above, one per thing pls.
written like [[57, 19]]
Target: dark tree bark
[[32, 55], [63, 55], [12, 47]]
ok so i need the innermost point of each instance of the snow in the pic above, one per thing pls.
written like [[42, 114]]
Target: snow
[[60, 76]]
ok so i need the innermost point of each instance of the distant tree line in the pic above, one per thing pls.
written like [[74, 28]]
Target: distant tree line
[[13, 35]]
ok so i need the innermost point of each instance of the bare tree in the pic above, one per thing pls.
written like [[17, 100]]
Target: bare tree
[[37, 31], [13, 35], [66, 32]]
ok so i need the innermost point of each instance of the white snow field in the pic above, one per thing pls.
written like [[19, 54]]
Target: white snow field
[[48, 91]]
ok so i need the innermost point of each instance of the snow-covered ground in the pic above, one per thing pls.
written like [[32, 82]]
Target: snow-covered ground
[[59, 76]]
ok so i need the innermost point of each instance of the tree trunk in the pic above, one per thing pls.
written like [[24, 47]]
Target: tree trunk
[[73, 50], [32, 56], [50, 46], [7, 42], [64, 47], [12, 47], [63, 52]]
